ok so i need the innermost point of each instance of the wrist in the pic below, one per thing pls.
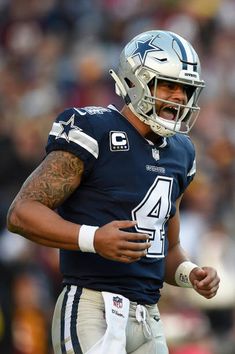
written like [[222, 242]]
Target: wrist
[[182, 274], [86, 238]]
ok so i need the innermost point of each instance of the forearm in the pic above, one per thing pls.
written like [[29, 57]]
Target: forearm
[[180, 271], [42, 225], [176, 255]]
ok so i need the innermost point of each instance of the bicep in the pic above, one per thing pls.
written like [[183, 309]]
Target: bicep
[[54, 180]]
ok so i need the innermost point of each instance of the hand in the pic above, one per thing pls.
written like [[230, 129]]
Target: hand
[[113, 243], [205, 281]]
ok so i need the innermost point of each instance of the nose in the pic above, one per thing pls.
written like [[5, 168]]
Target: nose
[[178, 94]]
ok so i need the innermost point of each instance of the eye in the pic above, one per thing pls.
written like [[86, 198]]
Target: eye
[[167, 84], [171, 85]]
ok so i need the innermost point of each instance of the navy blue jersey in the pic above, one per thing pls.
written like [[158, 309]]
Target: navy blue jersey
[[125, 177]]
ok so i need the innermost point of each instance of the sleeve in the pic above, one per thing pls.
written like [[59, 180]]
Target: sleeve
[[188, 162], [72, 132]]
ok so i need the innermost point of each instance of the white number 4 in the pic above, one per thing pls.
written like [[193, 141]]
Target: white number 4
[[153, 212]]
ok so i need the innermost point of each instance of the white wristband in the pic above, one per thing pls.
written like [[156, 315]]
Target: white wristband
[[182, 274], [86, 238]]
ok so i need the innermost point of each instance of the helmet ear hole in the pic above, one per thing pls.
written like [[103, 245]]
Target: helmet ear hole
[[129, 83]]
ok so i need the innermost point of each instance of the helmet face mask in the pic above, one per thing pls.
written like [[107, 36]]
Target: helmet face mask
[[148, 59]]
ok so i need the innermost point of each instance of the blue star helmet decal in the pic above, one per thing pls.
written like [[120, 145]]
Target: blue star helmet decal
[[66, 128], [144, 47]]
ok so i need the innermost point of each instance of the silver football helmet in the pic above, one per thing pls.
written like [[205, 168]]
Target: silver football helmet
[[159, 55]]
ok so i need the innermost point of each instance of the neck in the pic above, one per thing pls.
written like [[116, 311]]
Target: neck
[[141, 127]]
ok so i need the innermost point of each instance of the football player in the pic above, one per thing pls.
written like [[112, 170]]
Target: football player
[[108, 195]]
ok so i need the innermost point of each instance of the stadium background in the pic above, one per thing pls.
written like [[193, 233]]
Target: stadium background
[[56, 53]]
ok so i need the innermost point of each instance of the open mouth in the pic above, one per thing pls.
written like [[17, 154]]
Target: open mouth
[[169, 112]]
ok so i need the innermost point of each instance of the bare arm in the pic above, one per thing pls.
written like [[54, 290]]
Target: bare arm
[[205, 280], [176, 254], [32, 213]]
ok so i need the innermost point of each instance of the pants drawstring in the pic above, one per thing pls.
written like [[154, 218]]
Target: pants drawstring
[[142, 316]]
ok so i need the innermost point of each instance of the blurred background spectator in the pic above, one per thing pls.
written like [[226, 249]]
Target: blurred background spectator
[[55, 54]]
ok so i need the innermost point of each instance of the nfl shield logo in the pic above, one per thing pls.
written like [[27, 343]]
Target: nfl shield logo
[[155, 154], [117, 302]]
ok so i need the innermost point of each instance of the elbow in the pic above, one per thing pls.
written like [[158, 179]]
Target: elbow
[[11, 220]]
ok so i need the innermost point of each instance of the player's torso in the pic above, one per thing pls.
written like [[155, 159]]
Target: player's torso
[[130, 179]]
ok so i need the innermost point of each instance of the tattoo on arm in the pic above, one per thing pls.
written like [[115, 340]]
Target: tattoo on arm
[[54, 180]]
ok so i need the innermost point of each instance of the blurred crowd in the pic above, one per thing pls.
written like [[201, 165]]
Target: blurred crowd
[[57, 53]]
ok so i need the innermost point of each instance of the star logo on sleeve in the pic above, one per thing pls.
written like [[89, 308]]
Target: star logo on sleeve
[[143, 48], [66, 128]]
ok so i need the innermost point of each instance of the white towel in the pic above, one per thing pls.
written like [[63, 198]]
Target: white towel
[[116, 315]]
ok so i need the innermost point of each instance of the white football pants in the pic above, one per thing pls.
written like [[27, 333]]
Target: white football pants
[[88, 322]]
